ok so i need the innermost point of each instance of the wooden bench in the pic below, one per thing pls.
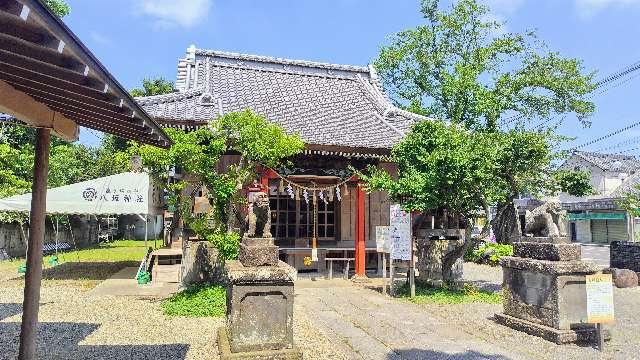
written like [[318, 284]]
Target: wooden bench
[[346, 267]]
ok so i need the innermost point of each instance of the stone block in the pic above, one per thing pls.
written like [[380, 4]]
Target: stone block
[[237, 273], [260, 307], [624, 278], [547, 251], [550, 267], [258, 252], [429, 263], [625, 255], [545, 239], [224, 348], [552, 300]]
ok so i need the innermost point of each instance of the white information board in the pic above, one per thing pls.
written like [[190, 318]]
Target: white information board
[[383, 240], [400, 233], [599, 298]]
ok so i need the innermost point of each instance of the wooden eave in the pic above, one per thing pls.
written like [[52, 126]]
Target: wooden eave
[[41, 58]]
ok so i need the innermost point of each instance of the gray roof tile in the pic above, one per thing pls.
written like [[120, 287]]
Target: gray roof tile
[[326, 104]]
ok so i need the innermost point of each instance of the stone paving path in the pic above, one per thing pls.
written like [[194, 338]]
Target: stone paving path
[[367, 325]]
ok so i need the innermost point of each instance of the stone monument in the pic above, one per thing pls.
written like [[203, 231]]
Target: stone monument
[[544, 291], [259, 296]]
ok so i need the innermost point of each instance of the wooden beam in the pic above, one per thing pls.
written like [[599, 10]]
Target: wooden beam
[[47, 69], [33, 276], [34, 113], [41, 53]]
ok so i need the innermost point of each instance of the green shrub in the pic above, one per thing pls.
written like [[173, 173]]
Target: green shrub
[[197, 301], [228, 244], [488, 253]]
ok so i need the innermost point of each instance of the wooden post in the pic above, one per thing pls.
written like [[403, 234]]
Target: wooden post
[[33, 277], [360, 241], [412, 271], [392, 274], [600, 336]]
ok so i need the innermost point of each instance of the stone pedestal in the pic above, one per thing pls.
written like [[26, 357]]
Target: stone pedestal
[[256, 251], [544, 290], [259, 311], [430, 253]]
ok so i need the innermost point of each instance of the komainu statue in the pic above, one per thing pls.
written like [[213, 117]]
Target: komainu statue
[[546, 220], [259, 217]]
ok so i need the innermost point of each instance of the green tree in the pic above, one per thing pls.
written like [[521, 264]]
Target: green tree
[[454, 67], [446, 166], [58, 7], [197, 153], [153, 86], [630, 201]]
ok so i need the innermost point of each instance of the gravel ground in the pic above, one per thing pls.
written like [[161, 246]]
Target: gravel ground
[[76, 325], [477, 320]]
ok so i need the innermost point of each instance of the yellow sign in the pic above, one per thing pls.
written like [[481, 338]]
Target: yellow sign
[[599, 298]]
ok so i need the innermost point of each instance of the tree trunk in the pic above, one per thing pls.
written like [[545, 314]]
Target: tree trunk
[[450, 258], [506, 225]]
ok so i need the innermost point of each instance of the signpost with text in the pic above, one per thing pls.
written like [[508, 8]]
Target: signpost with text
[[599, 302], [401, 242]]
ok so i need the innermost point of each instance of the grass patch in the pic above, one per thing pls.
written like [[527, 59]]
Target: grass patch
[[197, 301], [82, 268], [443, 295]]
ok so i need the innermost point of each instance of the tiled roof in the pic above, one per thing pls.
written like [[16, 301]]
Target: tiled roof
[[326, 104], [610, 162]]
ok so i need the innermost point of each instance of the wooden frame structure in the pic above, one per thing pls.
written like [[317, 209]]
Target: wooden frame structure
[[51, 81]]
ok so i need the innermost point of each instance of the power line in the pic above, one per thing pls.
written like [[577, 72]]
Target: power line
[[611, 78], [607, 136], [619, 144]]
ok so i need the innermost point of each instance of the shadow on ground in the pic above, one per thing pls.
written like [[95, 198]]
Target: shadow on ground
[[485, 285], [85, 270], [419, 354], [9, 309], [61, 341]]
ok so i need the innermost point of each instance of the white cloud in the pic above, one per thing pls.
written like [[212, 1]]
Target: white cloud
[[588, 8], [170, 13]]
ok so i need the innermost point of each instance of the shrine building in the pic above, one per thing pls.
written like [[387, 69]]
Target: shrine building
[[341, 113]]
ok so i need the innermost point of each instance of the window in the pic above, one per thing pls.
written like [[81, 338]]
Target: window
[[291, 219]]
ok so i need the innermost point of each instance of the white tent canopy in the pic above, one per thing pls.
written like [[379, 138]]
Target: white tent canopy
[[120, 194]]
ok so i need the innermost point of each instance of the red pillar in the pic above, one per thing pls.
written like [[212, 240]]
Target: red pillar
[[360, 248], [33, 277]]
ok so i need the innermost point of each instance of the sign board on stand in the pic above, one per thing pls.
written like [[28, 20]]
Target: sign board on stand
[[401, 243], [383, 241], [383, 247], [400, 233], [599, 302]]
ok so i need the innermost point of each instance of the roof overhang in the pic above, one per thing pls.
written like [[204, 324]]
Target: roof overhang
[[48, 78]]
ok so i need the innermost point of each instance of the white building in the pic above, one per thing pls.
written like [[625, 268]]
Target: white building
[[598, 218]]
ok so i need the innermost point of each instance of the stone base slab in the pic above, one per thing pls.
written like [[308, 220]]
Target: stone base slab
[[545, 239], [237, 273], [583, 334], [547, 251], [224, 348], [550, 267]]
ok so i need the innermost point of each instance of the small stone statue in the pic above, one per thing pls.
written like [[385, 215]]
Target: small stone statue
[[259, 217], [547, 220]]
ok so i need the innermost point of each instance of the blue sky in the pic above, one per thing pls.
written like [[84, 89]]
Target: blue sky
[[141, 38]]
